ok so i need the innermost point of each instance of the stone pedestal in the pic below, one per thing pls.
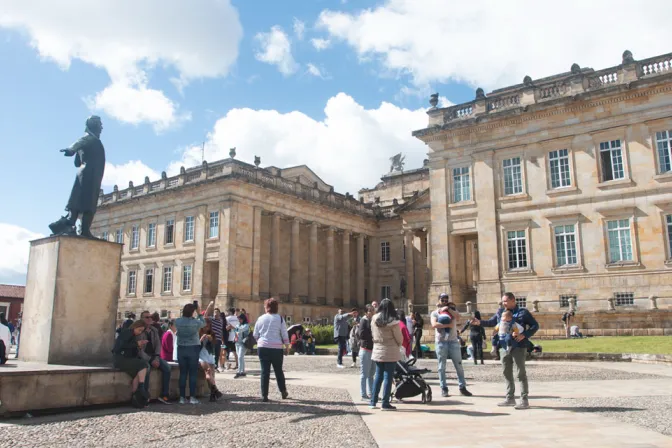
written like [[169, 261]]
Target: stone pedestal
[[71, 301]]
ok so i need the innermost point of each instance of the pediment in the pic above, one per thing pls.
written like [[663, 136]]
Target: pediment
[[305, 176]]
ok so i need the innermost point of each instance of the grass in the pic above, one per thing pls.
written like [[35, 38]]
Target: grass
[[653, 345]]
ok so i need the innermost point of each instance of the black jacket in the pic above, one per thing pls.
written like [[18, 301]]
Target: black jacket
[[475, 331], [126, 345], [364, 333]]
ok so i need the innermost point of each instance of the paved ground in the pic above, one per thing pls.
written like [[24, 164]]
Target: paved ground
[[573, 404]]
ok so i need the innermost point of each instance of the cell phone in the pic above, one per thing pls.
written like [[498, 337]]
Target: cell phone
[[195, 303]]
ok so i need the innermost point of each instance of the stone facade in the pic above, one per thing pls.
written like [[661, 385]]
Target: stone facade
[[556, 188]]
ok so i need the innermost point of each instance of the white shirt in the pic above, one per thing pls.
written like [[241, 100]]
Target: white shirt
[[232, 321], [6, 337], [409, 324], [574, 330]]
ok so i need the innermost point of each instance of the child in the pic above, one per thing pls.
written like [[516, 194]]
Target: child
[[444, 318], [507, 330]]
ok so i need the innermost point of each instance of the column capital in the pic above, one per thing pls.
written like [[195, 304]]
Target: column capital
[[297, 220], [346, 233]]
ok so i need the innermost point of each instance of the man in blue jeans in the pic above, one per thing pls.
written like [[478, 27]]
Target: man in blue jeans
[[341, 321], [448, 346], [152, 354]]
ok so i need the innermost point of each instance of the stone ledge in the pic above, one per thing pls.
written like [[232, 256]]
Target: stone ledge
[[609, 357], [26, 386]]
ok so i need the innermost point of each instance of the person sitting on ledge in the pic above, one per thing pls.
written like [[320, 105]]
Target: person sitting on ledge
[[126, 358], [151, 353]]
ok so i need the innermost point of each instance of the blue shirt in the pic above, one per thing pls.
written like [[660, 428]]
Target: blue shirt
[[521, 316], [187, 330]]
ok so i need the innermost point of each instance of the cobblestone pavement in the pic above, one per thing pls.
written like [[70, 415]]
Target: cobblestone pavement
[[311, 417]]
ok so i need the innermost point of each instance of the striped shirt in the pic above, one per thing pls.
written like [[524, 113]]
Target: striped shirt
[[270, 331], [217, 327]]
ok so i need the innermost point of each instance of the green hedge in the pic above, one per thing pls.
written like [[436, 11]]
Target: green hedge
[[324, 334]]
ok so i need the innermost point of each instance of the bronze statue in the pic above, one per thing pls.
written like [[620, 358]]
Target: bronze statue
[[397, 162], [90, 160]]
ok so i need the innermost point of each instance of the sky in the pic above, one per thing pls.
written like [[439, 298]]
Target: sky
[[338, 85]]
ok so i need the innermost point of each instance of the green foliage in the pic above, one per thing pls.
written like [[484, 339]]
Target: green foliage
[[323, 334]]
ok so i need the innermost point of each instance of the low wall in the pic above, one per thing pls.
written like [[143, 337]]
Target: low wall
[[28, 387]]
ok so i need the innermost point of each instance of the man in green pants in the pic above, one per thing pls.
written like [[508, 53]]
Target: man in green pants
[[516, 355]]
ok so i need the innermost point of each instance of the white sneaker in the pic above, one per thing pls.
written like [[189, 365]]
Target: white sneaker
[[340, 366], [194, 400], [183, 400], [352, 366]]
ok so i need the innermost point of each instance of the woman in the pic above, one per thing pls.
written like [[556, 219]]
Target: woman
[[207, 358], [406, 335], [126, 359], [189, 347], [167, 343], [242, 332], [477, 337], [418, 323], [270, 332], [387, 340]]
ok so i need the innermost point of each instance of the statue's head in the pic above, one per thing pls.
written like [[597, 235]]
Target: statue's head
[[94, 125]]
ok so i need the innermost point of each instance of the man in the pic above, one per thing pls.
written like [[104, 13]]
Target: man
[[309, 342], [151, 353], [218, 331], [231, 325], [448, 346], [566, 321], [90, 163], [518, 353], [157, 324], [375, 307], [367, 367], [341, 321]]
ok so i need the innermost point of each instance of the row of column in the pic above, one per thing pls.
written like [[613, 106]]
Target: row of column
[[330, 279]]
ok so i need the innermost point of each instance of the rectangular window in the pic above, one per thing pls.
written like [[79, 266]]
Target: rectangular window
[[149, 280], [170, 232], [620, 244], [214, 224], [186, 277], [151, 234], [517, 248], [565, 245], [119, 237], [164, 314], [559, 165], [104, 236], [668, 221], [611, 157], [385, 251], [513, 176], [521, 301], [189, 228], [366, 253], [135, 237], [664, 144], [564, 301], [167, 278], [461, 184], [624, 299], [385, 292], [132, 281]]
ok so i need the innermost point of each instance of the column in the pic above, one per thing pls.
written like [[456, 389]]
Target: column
[[346, 269], [227, 253], [374, 256], [201, 223], [489, 283], [360, 270], [275, 256], [312, 263], [329, 276], [440, 242], [256, 252], [294, 260], [410, 274]]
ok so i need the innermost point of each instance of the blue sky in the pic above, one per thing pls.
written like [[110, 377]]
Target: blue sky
[[338, 85]]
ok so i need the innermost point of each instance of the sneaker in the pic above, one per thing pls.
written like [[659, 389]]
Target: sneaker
[[340, 366], [507, 402], [164, 400], [194, 400], [373, 406], [285, 394], [444, 392], [243, 374], [389, 407], [353, 365], [183, 400], [524, 404], [465, 392], [366, 398], [237, 375], [264, 399]]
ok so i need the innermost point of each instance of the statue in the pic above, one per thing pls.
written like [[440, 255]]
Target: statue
[[397, 162], [402, 287], [90, 160]]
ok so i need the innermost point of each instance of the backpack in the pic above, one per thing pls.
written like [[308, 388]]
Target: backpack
[[354, 336], [250, 341]]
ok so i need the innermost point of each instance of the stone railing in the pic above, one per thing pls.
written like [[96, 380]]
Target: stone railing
[[242, 171], [566, 85]]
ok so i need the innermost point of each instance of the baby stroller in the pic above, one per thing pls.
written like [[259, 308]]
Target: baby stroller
[[408, 381]]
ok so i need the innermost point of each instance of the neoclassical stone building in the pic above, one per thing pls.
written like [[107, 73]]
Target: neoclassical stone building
[[557, 189]]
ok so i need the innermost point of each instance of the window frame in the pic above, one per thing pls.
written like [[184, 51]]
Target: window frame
[[385, 245], [105, 236], [620, 229], [564, 220], [521, 298], [146, 283], [171, 269], [614, 215], [186, 229], [119, 235], [132, 293], [211, 215], [191, 277], [570, 167], [516, 226], [135, 238], [383, 289], [568, 298], [668, 131], [469, 185], [169, 222], [501, 177], [624, 296], [149, 244], [608, 137]]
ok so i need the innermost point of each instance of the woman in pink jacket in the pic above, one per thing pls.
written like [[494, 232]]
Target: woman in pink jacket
[[408, 342]]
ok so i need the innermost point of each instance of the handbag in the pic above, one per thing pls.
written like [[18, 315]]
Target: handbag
[[250, 341]]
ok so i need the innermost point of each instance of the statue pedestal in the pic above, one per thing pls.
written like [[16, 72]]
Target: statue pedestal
[[71, 299]]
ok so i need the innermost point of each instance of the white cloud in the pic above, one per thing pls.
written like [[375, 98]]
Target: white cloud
[[312, 69], [14, 241], [299, 28], [493, 43], [320, 44], [275, 48], [350, 148], [128, 38], [133, 170], [445, 102]]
